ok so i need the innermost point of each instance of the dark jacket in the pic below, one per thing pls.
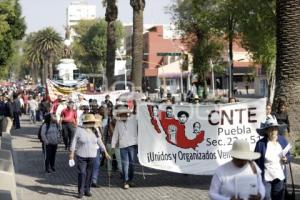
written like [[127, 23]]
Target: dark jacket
[[17, 106], [283, 118], [8, 112], [2, 108], [261, 147]]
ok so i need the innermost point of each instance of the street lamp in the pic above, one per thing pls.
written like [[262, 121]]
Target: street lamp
[[212, 78], [231, 75], [181, 79]]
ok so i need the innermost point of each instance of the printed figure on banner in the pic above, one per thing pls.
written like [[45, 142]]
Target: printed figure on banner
[[175, 128]]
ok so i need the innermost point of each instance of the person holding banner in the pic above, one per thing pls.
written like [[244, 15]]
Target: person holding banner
[[239, 178], [274, 149], [125, 135]]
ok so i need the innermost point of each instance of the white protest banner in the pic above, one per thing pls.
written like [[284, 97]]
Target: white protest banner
[[195, 139]]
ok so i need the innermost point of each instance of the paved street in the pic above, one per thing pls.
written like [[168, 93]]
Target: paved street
[[34, 184]]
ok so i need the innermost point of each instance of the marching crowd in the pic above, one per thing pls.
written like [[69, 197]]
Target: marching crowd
[[91, 131]]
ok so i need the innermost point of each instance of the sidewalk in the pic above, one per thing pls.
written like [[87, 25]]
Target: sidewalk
[[34, 184]]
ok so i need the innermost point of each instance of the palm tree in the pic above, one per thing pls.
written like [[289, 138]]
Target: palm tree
[[32, 57], [49, 43], [111, 16], [137, 43], [288, 59]]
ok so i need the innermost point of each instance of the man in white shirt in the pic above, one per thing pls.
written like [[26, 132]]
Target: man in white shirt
[[81, 102], [33, 106], [125, 135]]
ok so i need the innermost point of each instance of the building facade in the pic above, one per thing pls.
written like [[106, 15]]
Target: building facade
[[77, 11]]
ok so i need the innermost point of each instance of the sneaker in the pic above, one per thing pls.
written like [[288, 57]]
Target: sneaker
[[126, 186], [79, 196], [48, 171], [131, 184], [95, 185], [53, 170], [88, 194]]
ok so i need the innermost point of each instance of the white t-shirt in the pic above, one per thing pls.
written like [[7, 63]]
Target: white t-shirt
[[33, 104], [223, 185], [273, 166]]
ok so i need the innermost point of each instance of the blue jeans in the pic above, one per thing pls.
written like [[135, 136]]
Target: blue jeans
[[33, 116], [274, 190], [96, 166], [128, 158]]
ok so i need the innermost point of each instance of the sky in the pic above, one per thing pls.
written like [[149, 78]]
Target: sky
[[43, 13]]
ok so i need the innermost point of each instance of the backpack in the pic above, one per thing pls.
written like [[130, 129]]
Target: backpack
[[40, 131]]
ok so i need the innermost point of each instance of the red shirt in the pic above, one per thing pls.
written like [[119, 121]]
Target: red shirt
[[69, 116]]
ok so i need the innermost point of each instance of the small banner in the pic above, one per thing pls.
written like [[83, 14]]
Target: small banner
[[195, 139], [55, 88]]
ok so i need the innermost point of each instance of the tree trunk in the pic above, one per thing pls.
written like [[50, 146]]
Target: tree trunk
[[46, 65], [50, 70], [137, 43], [288, 59], [271, 86], [230, 52], [110, 16]]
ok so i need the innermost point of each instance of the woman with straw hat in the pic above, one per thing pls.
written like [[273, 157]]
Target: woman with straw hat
[[230, 177], [85, 142], [125, 135], [274, 150]]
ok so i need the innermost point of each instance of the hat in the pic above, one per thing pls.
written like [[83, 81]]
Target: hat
[[196, 97], [241, 150], [87, 118], [121, 109], [270, 122]]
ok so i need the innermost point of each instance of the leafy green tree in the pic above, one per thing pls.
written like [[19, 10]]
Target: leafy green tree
[[194, 18], [257, 30], [137, 43], [12, 27], [90, 44]]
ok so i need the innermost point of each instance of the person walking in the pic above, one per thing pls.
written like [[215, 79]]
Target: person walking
[[2, 112], [8, 115], [68, 123], [273, 159], [96, 167], [33, 106], [283, 118], [125, 135], [229, 177], [109, 123], [50, 137], [84, 144], [16, 111]]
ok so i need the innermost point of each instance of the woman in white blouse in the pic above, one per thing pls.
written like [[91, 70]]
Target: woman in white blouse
[[274, 150], [239, 178]]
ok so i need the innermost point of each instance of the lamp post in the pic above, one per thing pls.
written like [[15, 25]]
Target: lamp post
[[231, 75], [212, 78], [181, 79], [230, 69]]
